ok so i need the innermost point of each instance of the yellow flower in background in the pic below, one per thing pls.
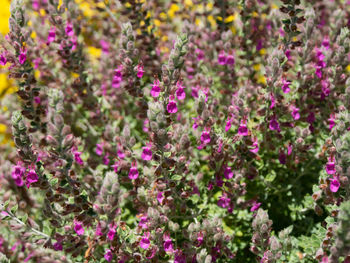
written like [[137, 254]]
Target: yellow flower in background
[[94, 52], [85, 6], [4, 16], [172, 10]]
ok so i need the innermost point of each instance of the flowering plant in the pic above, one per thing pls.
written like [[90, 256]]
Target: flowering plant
[[176, 131]]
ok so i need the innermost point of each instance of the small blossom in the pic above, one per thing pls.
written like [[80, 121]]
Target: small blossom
[[255, 206], [3, 59], [224, 201], [200, 54], [171, 107], [69, 29], [334, 186], [273, 101], [295, 113], [140, 71], [78, 228], [98, 231], [331, 121], [168, 244], [330, 166], [222, 58], [32, 177], [143, 222], [144, 242], [51, 36], [160, 197], [146, 153], [274, 125], [180, 93], [255, 146], [111, 231], [155, 90], [285, 86], [242, 129], [108, 255], [228, 173], [133, 172], [22, 56], [77, 158], [230, 60], [57, 246], [99, 149], [228, 124]]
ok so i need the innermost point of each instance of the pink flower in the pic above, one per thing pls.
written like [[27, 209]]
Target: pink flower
[[99, 149], [222, 58], [331, 121], [273, 101], [334, 186], [200, 54], [105, 46], [255, 206], [106, 159], [140, 71], [255, 148], [285, 86], [171, 107], [133, 172], [116, 166], [274, 125], [228, 124], [242, 129], [111, 231], [230, 60], [228, 172], [205, 137], [160, 197], [289, 149], [98, 231], [77, 158], [3, 59], [194, 92], [168, 244], [108, 255], [330, 166], [22, 56], [32, 177], [78, 228], [155, 90], [120, 152], [200, 239], [295, 113], [224, 201], [57, 246], [144, 242], [287, 53], [143, 222], [146, 153], [51, 36], [180, 93], [179, 257], [69, 29]]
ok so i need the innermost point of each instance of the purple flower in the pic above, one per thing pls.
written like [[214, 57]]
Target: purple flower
[[168, 244], [57, 246], [180, 93], [224, 201], [179, 257], [133, 172], [242, 129], [222, 58], [160, 197], [255, 206], [99, 149], [282, 157], [69, 29], [22, 56], [285, 86], [273, 101], [295, 113], [255, 148], [3, 59], [228, 172], [144, 242], [334, 186], [143, 222], [330, 166], [230, 60], [78, 228], [155, 90], [108, 255], [274, 125], [140, 71], [331, 121], [111, 231], [77, 158], [51, 36], [200, 54], [32, 177], [146, 153], [171, 107], [205, 137], [228, 124], [105, 46]]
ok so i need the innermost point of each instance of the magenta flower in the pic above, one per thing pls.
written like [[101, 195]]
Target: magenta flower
[[155, 90], [140, 71], [98, 231], [160, 197], [273, 101], [295, 113], [224, 201], [230, 60], [78, 228], [99, 149], [106, 159], [180, 93], [143, 222], [205, 137], [77, 158], [69, 29], [325, 87], [228, 124], [144, 242], [51, 36], [282, 157], [331, 121], [120, 152], [105, 46], [22, 56], [146, 153], [111, 231], [228, 172], [200, 239], [285, 86], [199, 53], [133, 172], [255, 206], [334, 186], [108, 255], [255, 148], [32, 177], [274, 125], [330, 166], [179, 257], [222, 58], [289, 149], [325, 42], [194, 91], [171, 107], [57, 246], [3, 59], [168, 244], [242, 129]]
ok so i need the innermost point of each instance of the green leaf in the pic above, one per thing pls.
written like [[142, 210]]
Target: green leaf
[[14, 209]]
